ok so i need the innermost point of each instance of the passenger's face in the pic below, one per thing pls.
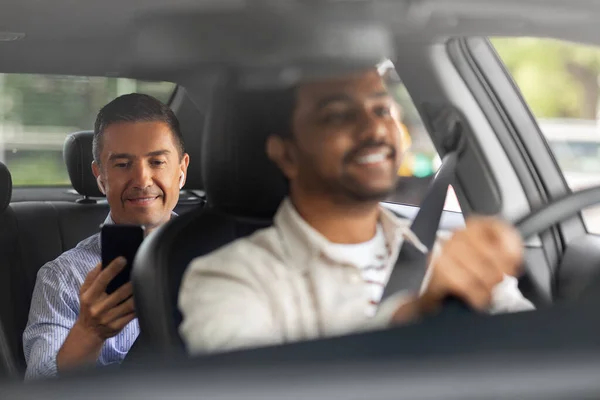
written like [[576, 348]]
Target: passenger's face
[[346, 141], [140, 167]]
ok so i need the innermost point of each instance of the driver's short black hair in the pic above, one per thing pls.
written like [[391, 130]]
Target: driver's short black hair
[[281, 103], [135, 107]]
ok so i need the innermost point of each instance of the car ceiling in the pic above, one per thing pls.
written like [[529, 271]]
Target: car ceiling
[[89, 37]]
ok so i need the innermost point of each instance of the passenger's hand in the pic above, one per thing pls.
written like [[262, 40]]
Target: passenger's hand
[[472, 262], [103, 315]]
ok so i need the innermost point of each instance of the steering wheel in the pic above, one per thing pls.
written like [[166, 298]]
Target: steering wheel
[[533, 224]]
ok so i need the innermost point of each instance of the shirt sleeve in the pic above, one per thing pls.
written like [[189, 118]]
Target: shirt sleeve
[[53, 312], [223, 306]]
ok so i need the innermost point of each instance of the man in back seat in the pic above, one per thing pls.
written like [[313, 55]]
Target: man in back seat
[[140, 164], [322, 268]]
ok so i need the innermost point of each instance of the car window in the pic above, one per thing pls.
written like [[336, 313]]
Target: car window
[[560, 82], [577, 156], [421, 161], [37, 112]]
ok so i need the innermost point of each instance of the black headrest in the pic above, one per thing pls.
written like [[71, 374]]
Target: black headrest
[[5, 187], [239, 179], [77, 153]]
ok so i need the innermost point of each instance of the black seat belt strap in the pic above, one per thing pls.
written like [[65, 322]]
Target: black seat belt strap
[[411, 265]]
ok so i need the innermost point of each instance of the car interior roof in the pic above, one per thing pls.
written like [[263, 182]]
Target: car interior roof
[[93, 38]]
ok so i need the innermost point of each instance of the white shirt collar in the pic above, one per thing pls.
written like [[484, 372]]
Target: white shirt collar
[[303, 242]]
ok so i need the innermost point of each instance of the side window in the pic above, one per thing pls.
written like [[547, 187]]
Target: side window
[[421, 160], [560, 82], [37, 112]]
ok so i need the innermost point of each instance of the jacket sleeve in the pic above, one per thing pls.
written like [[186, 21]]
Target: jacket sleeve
[[223, 307]]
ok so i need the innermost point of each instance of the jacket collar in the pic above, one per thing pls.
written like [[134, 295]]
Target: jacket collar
[[303, 243]]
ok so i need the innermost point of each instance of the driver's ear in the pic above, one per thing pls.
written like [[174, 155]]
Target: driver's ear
[[282, 154]]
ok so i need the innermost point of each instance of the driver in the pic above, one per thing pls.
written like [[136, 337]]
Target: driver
[[321, 269]]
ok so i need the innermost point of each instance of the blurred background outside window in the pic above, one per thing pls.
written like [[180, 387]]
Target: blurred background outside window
[[37, 112]]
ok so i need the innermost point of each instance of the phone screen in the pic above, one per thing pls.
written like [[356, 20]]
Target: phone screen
[[120, 241]]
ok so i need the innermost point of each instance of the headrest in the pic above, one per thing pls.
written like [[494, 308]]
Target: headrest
[[239, 179], [5, 187], [77, 153]]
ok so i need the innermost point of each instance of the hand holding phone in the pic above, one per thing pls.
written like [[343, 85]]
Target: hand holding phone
[[120, 241], [101, 316]]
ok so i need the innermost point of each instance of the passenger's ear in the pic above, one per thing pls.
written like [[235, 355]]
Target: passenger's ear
[[95, 169], [97, 174], [183, 166], [280, 152]]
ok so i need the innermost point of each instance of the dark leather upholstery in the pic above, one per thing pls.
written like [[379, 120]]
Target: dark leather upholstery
[[239, 179], [7, 246], [5, 187], [243, 191], [77, 153], [163, 258]]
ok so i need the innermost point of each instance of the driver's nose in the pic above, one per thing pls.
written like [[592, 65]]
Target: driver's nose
[[372, 127]]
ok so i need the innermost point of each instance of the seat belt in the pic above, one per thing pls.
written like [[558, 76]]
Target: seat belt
[[411, 265]]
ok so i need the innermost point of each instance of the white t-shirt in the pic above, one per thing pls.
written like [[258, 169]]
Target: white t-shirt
[[371, 257]]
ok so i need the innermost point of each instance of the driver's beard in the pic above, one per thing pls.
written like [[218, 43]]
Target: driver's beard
[[344, 189], [363, 195], [349, 190]]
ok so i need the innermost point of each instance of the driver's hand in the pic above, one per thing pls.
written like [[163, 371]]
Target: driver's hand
[[472, 262]]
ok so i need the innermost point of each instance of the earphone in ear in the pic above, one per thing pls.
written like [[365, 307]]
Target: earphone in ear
[[100, 185], [181, 180]]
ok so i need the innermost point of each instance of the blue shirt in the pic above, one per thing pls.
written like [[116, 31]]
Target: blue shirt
[[55, 308]]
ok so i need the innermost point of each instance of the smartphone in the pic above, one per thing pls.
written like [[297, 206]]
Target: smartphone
[[120, 241]]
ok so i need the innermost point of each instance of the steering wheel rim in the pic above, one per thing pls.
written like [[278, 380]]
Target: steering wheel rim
[[534, 223], [556, 211]]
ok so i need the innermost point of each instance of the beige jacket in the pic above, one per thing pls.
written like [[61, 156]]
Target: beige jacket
[[282, 285]]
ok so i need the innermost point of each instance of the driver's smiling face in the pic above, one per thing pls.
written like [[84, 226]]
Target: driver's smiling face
[[140, 168], [346, 137]]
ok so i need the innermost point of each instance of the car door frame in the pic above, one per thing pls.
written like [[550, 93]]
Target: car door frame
[[523, 141]]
